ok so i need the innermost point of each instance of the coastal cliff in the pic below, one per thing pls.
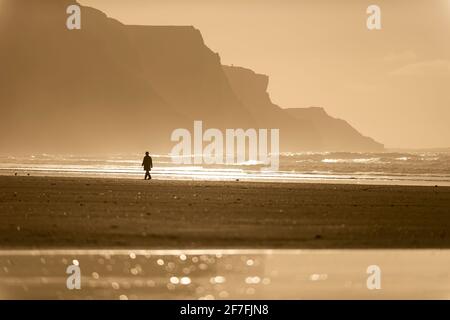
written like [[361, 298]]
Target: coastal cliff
[[111, 87]]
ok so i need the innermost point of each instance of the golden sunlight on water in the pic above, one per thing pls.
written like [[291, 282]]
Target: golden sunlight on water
[[225, 274], [418, 168]]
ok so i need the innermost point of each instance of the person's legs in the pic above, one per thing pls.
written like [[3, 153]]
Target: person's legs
[[147, 174]]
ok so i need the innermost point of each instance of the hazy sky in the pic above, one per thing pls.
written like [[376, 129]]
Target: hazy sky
[[392, 84]]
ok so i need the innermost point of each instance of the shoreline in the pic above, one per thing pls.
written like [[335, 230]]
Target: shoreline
[[300, 178], [92, 213]]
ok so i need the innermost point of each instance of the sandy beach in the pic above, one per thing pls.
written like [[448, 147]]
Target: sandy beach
[[55, 212]]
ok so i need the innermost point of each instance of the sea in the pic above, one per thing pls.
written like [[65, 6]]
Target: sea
[[399, 168]]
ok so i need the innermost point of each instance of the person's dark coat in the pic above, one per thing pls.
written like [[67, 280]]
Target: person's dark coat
[[147, 163]]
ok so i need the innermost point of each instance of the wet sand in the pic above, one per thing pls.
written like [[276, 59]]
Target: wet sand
[[225, 274], [55, 212]]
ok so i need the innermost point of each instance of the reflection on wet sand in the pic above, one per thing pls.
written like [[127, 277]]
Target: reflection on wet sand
[[225, 274]]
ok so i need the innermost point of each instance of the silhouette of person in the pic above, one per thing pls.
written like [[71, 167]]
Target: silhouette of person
[[148, 165]]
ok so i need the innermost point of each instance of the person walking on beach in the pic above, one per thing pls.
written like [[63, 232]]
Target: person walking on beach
[[148, 165]]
